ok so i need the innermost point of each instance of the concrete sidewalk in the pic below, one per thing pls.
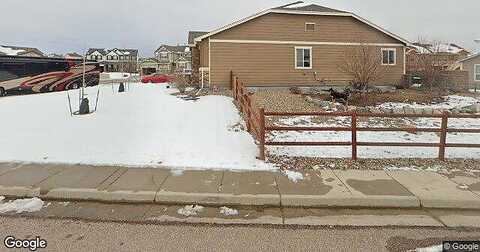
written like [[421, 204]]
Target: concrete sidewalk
[[326, 188]]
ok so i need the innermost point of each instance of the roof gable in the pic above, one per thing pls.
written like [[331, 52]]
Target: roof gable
[[299, 6], [192, 35], [305, 10]]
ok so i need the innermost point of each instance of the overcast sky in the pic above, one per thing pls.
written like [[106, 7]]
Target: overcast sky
[[66, 25]]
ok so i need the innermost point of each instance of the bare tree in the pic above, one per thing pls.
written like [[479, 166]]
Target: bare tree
[[429, 62], [364, 64]]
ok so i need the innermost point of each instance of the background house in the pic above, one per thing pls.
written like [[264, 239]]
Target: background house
[[73, 55], [20, 51], [148, 66], [173, 58], [444, 55], [115, 60], [296, 45], [471, 65]]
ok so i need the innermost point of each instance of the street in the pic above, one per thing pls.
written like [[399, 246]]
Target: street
[[71, 235]]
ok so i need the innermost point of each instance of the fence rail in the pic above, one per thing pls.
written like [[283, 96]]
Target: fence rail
[[255, 119]]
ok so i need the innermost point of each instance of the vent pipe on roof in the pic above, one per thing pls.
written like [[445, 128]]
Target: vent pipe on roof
[[290, 4]]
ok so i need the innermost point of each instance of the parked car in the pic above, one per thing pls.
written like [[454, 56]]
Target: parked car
[[156, 78]]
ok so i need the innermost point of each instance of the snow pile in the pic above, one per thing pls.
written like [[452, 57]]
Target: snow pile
[[21, 205], [118, 76], [9, 51], [450, 102], [438, 248], [228, 211], [145, 126], [190, 210], [293, 176]]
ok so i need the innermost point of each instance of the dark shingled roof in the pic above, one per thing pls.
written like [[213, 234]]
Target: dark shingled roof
[[193, 35], [311, 7]]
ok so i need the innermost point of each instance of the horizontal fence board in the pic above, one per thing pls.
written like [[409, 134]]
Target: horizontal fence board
[[308, 143], [399, 144], [278, 128], [379, 129]]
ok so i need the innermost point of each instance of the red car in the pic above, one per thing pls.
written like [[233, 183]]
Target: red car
[[156, 78]]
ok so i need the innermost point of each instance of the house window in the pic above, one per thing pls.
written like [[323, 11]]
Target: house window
[[389, 56], [477, 72], [309, 27], [303, 58]]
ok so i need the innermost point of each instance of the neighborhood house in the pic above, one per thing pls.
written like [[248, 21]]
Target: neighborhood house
[[472, 66], [294, 45], [115, 60]]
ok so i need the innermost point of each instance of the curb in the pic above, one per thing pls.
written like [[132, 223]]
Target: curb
[[224, 199]]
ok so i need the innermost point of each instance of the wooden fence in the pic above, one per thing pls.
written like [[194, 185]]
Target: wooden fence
[[255, 121]]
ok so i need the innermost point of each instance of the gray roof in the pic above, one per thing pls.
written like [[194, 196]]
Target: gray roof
[[178, 48], [100, 50], [103, 51], [74, 54], [192, 35], [311, 7]]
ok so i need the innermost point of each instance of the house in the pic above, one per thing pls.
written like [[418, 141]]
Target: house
[[73, 55], [296, 44], [471, 65], [172, 58], [20, 51], [55, 55], [443, 55], [149, 66], [115, 60]]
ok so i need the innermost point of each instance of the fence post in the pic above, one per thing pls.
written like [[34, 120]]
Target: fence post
[[262, 134], [231, 80], [235, 87], [248, 112], [443, 136], [354, 135]]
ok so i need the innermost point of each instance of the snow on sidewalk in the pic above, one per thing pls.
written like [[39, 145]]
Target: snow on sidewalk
[[21, 205], [145, 126]]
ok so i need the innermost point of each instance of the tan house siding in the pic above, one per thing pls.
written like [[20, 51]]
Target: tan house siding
[[273, 64], [287, 27], [204, 53], [469, 66]]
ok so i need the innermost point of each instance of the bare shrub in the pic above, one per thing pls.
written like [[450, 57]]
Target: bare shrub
[[364, 64], [428, 63], [182, 81]]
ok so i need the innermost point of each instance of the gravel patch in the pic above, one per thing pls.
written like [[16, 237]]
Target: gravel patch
[[434, 165], [283, 101]]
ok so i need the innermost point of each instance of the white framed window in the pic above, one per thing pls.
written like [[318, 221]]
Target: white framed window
[[389, 56], [303, 57], [309, 27], [476, 69]]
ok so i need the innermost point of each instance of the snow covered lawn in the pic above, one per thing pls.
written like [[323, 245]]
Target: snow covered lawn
[[379, 152], [145, 126]]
